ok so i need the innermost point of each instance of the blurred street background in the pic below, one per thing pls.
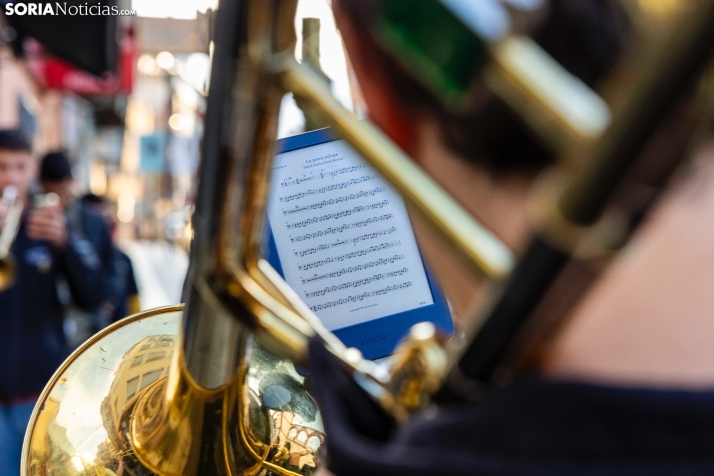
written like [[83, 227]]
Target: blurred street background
[[133, 132]]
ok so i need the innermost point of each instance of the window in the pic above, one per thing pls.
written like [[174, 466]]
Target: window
[[313, 443], [156, 356], [131, 387], [150, 377], [137, 360]]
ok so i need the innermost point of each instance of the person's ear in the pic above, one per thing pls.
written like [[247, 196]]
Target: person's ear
[[383, 107]]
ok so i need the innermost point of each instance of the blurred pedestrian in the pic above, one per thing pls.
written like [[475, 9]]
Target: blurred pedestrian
[[32, 341], [56, 176], [123, 292]]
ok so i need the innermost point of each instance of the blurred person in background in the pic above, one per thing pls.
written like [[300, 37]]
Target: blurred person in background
[[626, 386], [32, 341], [123, 292], [56, 177]]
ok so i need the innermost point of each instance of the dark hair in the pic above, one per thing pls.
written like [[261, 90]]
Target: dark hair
[[14, 140], [55, 167], [92, 199], [584, 36]]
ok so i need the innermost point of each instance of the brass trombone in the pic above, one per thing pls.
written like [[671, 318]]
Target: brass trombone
[[209, 387], [12, 208]]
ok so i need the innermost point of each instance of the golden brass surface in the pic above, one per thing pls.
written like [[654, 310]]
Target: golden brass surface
[[11, 207], [205, 390], [555, 104], [113, 409], [7, 272], [151, 396], [418, 366], [480, 248]]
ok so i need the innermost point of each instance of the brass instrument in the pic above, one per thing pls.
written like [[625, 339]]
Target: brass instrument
[[12, 207], [209, 387]]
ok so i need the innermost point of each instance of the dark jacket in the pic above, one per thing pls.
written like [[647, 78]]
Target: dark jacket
[[32, 341], [91, 226], [123, 284], [534, 427]]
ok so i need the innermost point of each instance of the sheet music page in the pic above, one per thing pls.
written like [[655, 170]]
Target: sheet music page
[[343, 237]]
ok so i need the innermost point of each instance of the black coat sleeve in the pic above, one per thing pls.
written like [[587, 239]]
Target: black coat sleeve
[[83, 269], [95, 229]]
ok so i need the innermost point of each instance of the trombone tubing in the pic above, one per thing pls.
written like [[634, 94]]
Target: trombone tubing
[[663, 79], [481, 249]]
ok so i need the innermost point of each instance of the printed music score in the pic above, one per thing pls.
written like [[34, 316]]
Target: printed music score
[[343, 237]]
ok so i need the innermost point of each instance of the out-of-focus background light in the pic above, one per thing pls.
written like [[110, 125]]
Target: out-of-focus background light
[[147, 65], [176, 9], [177, 122], [138, 145], [165, 60]]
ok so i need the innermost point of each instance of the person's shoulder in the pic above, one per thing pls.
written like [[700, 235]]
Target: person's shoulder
[[121, 255], [88, 213], [94, 224]]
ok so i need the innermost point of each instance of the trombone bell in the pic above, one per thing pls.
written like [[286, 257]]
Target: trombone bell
[[105, 411]]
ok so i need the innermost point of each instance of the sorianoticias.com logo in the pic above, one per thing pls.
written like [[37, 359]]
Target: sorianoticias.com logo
[[63, 8]]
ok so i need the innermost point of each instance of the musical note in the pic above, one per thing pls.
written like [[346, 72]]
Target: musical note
[[329, 188], [337, 215], [321, 175], [361, 297], [356, 283], [373, 235], [354, 241], [335, 201], [298, 181], [339, 229], [337, 259], [354, 269]]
